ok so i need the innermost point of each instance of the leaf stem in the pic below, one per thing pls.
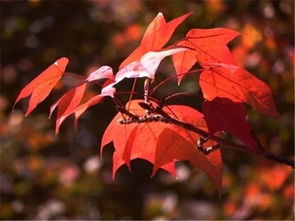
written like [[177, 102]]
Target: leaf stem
[[173, 77], [179, 94], [131, 94]]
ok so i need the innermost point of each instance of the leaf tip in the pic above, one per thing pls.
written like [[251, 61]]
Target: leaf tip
[[155, 169], [57, 125], [179, 81], [29, 110], [76, 123], [101, 148], [160, 14], [63, 61], [128, 166], [12, 109]]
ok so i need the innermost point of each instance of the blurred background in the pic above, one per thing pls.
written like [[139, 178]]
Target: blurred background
[[44, 176]]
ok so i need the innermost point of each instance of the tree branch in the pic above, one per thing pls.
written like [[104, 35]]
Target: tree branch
[[164, 117]]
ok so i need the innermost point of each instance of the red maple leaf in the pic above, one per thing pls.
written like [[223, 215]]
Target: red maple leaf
[[161, 143], [69, 102], [79, 110], [238, 85], [208, 46], [136, 133], [66, 104], [41, 86], [221, 114], [155, 37], [145, 67]]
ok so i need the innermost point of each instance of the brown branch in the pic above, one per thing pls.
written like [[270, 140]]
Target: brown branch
[[147, 84], [222, 142]]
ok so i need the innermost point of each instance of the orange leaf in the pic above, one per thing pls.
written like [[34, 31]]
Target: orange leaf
[[161, 143], [183, 61], [102, 72], [78, 111], [172, 147], [156, 36], [209, 46], [267, 173], [238, 85], [67, 103], [40, 87], [145, 67]]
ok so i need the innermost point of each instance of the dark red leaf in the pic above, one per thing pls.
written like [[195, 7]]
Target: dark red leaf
[[221, 114], [238, 85]]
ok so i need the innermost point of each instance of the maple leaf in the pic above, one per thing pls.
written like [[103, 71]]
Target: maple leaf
[[221, 114], [79, 110], [66, 104], [209, 46], [238, 85], [173, 147], [103, 72], [145, 67], [69, 102], [160, 143], [40, 87], [159, 139], [155, 37]]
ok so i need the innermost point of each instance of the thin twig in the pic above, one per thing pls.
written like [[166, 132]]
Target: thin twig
[[147, 84], [173, 77], [179, 94], [146, 94], [228, 144], [131, 94]]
